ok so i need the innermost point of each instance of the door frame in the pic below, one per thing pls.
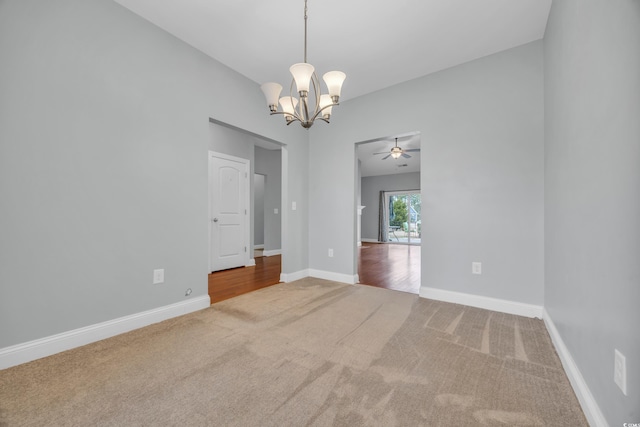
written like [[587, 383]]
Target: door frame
[[247, 204]]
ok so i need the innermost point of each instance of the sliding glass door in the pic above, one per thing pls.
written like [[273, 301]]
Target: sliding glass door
[[403, 219]]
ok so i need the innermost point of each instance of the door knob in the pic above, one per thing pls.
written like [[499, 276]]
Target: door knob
[[215, 219]]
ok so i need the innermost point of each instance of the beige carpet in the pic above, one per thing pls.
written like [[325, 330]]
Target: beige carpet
[[307, 353]]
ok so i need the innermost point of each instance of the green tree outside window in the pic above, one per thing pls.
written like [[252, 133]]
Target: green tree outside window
[[400, 213]]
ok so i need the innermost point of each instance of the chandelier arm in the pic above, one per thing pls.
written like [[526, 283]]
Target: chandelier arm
[[296, 114], [293, 118], [315, 82], [284, 113], [307, 116], [317, 89], [320, 110]]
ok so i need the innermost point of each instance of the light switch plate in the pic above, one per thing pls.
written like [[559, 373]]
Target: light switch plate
[[476, 267], [620, 371]]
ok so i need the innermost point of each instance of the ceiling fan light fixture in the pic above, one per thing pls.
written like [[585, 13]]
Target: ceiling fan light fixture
[[396, 152], [312, 103]]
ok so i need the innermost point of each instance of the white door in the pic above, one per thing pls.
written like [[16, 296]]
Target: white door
[[229, 206]]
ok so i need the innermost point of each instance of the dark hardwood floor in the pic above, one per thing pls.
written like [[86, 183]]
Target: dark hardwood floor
[[227, 284], [390, 266]]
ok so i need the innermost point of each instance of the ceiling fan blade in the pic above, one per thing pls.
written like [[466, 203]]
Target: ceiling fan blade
[[412, 150], [406, 156], [385, 152], [386, 157]]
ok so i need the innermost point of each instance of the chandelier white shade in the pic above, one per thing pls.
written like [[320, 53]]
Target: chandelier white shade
[[310, 103], [326, 105], [334, 80], [288, 104], [302, 73], [272, 93]]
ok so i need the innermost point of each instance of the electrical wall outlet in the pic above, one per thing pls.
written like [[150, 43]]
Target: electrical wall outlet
[[330, 253], [158, 276], [294, 206], [476, 267], [275, 211], [620, 371]]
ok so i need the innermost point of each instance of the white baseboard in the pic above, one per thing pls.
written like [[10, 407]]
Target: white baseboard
[[350, 279], [320, 274], [36, 349], [258, 246], [488, 303], [272, 252], [292, 277], [587, 402], [251, 263], [370, 240]]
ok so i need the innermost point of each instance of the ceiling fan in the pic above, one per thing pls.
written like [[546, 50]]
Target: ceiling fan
[[396, 152]]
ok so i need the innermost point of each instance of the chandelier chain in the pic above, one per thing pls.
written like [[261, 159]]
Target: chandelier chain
[[305, 31]]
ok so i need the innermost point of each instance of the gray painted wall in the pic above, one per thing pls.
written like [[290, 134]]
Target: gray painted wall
[[295, 230], [482, 159], [371, 188], [258, 210], [592, 192], [232, 142], [104, 135], [269, 164]]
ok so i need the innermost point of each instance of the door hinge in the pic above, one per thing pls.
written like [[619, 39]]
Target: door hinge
[[245, 249], [245, 211]]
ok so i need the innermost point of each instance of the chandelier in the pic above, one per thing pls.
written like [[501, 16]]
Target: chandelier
[[305, 108]]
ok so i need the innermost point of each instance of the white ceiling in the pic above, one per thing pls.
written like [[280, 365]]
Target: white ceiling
[[376, 43]]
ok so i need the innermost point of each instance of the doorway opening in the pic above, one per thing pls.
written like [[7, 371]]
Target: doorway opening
[[265, 175], [388, 220]]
